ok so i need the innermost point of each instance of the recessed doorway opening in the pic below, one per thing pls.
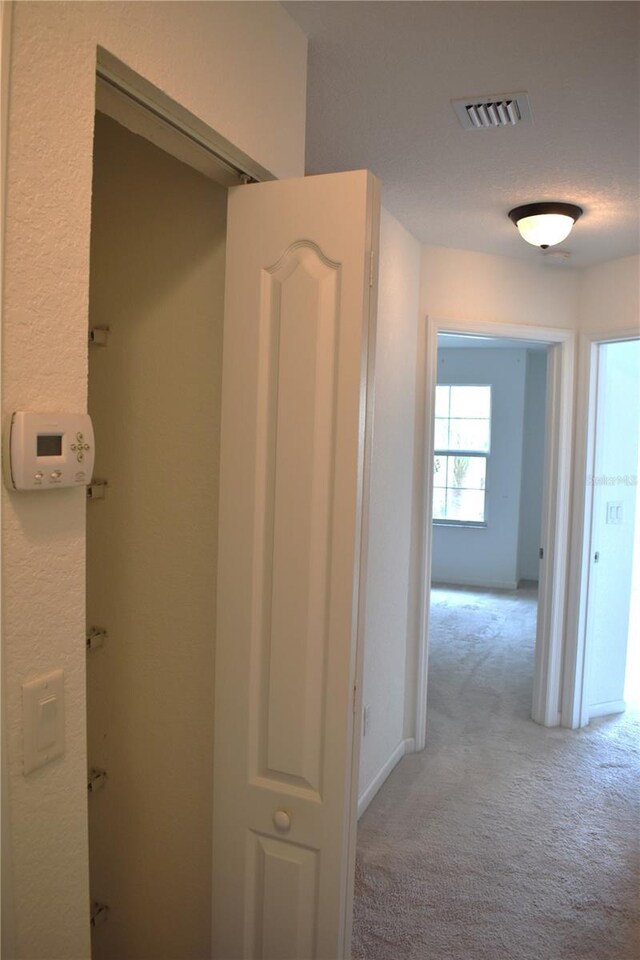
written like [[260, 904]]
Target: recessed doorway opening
[[488, 475]]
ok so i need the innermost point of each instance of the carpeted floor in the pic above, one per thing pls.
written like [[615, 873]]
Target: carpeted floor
[[503, 840]]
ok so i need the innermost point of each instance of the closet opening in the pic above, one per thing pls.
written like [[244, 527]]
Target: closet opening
[[155, 358]]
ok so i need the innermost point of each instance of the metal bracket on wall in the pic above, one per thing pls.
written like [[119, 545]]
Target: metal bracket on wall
[[97, 490], [99, 912], [96, 637], [96, 780], [99, 336]]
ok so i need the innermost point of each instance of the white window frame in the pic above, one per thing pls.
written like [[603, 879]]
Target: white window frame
[[448, 452]]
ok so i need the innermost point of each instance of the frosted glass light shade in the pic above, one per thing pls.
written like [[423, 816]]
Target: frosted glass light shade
[[546, 229], [545, 224]]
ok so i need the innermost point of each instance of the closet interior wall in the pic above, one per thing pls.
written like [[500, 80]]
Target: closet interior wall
[[157, 284]]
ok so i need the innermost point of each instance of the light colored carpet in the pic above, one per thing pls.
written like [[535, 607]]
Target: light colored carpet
[[503, 840]]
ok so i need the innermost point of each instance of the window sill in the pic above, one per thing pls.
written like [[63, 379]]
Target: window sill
[[467, 524]]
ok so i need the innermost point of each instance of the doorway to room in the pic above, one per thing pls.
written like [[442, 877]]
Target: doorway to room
[[549, 647], [488, 475]]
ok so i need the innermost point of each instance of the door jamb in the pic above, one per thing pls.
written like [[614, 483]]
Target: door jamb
[[547, 703], [575, 706], [6, 904]]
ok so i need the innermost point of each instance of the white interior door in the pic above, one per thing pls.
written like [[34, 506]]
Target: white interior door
[[297, 342], [612, 524]]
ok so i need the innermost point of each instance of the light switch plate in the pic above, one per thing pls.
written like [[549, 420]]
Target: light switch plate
[[615, 512], [43, 719]]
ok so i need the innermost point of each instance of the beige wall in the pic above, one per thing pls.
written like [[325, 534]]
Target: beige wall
[[464, 285], [157, 280], [240, 67], [610, 296]]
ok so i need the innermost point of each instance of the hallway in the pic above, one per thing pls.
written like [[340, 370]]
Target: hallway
[[503, 840]]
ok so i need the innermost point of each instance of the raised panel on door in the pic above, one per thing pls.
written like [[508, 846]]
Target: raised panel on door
[[297, 343]]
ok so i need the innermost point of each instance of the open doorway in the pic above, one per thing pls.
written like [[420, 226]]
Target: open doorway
[[549, 646], [488, 473]]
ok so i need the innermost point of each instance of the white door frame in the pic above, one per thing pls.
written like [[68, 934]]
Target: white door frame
[[6, 14], [555, 520], [575, 701]]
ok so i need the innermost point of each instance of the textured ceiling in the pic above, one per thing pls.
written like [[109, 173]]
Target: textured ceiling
[[381, 78]]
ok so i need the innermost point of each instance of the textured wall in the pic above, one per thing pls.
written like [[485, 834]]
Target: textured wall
[[157, 279], [240, 68], [390, 498], [610, 296], [463, 285]]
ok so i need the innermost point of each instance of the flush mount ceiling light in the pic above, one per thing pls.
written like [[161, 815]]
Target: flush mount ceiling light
[[545, 224]]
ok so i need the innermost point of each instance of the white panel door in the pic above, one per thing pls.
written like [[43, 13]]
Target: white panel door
[[297, 343], [612, 524]]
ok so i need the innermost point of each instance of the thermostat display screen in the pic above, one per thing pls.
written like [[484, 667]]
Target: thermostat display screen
[[49, 445]]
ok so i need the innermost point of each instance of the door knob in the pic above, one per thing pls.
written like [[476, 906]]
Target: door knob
[[282, 821]]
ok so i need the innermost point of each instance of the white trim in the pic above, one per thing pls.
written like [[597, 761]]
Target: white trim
[[481, 584], [428, 377], [552, 596], [6, 15], [403, 748], [606, 709], [546, 709], [575, 707], [352, 811]]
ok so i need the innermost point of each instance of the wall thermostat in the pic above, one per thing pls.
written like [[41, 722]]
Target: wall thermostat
[[45, 451]]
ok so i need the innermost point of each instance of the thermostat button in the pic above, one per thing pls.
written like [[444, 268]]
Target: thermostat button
[[38, 476], [56, 474]]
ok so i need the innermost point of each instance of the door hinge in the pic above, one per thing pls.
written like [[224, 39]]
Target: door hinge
[[96, 780], [596, 557], [355, 696], [372, 265], [541, 553]]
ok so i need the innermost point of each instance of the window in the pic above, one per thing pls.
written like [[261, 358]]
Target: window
[[461, 447]]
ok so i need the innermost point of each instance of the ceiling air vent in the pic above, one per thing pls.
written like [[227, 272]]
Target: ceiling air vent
[[488, 113]]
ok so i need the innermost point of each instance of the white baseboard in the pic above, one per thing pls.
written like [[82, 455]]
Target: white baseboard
[[404, 747], [604, 709], [487, 584]]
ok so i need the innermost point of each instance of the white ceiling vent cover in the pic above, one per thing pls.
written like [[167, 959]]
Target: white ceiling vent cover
[[489, 113]]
